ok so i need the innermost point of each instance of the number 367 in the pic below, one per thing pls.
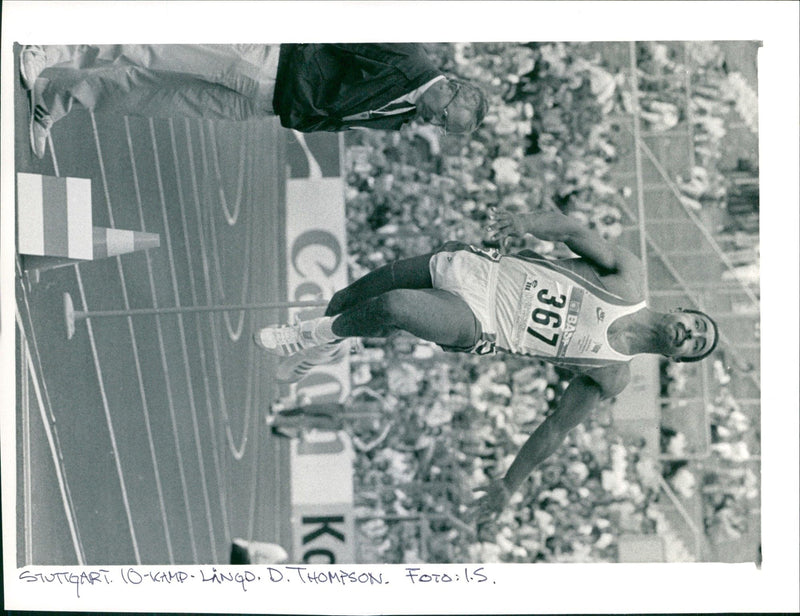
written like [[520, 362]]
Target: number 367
[[546, 317]]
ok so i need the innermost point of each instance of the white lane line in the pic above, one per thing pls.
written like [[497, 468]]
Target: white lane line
[[53, 155], [233, 332], [26, 452], [268, 261], [136, 358], [162, 353], [182, 332], [230, 218], [47, 411], [131, 330], [236, 451], [279, 448], [221, 483], [55, 450], [278, 503], [254, 492], [109, 423]]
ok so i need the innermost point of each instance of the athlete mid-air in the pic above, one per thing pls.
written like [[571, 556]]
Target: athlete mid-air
[[587, 314]]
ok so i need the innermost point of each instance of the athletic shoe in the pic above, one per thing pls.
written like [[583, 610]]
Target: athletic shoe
[[32, 61], [294, 368], [272, 420], [286, 340], [40, 125]]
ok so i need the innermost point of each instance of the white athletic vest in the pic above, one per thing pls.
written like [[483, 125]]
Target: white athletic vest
[[545, 310]]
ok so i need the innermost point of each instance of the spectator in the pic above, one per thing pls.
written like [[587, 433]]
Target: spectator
[[312, 87]]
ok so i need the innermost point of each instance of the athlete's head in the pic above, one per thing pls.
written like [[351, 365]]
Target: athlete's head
[[691, 335]]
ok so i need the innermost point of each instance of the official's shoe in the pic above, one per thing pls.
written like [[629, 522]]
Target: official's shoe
[[32, 61], [286, 340], [294, 368], [245, 552]]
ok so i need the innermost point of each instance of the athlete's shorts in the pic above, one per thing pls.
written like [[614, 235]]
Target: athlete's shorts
[[471, 274]]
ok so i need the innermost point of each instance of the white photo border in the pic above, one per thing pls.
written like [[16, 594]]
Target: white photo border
[[520, 588]]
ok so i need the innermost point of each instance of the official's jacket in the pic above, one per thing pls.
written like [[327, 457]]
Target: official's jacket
[[319, 84]]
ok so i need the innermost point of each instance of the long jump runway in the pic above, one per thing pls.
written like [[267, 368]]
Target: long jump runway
[[142, 439]]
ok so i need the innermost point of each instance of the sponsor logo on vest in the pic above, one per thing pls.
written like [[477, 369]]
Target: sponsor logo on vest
[[531, 284], [600, 315], [571, 323], [569, 331]]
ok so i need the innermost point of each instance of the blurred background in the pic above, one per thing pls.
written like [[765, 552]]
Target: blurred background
[[654, 145]]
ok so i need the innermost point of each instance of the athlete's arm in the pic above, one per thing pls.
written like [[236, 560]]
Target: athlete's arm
[[577, 401], [554, 226]]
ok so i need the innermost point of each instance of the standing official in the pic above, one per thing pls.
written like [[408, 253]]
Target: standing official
[[311, 87]]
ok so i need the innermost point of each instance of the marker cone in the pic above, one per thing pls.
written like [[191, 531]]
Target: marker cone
[[112, 242]]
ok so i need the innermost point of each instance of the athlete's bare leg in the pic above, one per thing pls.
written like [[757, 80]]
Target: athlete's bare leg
[[395, 297], [431, 314], [413, 273]]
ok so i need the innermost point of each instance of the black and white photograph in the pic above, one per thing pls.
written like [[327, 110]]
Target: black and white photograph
[[428, 319]]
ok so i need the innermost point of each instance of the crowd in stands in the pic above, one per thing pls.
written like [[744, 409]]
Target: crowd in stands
[[727, 480], [550, 141], [457, 424]]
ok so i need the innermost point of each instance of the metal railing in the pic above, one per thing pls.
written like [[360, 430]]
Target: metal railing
[[649, 246]]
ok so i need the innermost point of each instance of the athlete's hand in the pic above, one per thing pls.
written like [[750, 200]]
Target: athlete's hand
[[494, 500], [504, 224]]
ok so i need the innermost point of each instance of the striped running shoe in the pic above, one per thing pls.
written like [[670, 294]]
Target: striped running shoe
[[40, 124], [286, 340], [39, 131], [294, 368]]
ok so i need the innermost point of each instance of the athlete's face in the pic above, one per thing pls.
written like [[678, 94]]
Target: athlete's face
[[687, 334]]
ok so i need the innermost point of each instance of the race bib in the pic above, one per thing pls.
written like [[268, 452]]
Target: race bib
[[547, 316]]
